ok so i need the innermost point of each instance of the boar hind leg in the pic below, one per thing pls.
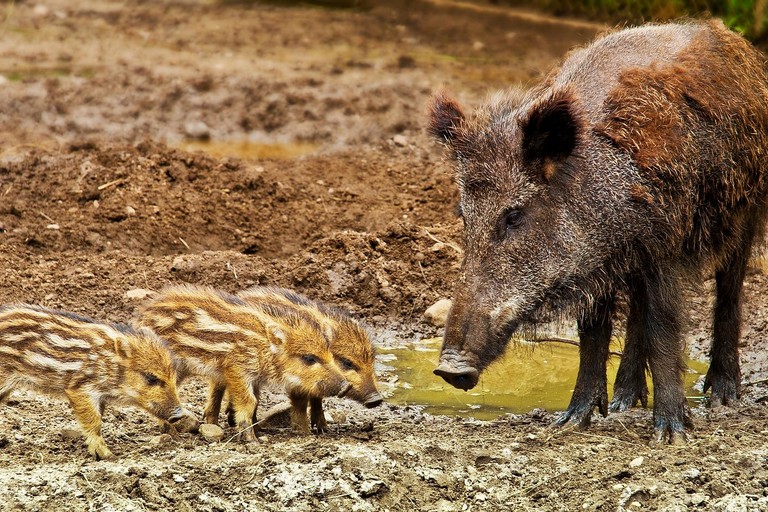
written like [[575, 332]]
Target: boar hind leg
[[631, 386], [663, 333], [724, 374], [243, 400], [87, 414], [317, 415], [299, 419], [591, 388], [213, 405]]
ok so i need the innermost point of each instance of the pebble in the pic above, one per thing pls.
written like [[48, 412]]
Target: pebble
[[211, 433], [197, 130], [138, 293], [636, 463], [400, 140], [130, 211], [52, 226], [161, 439], [437, 313]]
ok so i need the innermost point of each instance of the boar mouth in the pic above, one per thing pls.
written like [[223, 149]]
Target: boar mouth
[[464, 378]]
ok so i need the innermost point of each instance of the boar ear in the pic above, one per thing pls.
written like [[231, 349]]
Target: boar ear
[[445, 117], [123, 347], [276, 336], [552, 129]]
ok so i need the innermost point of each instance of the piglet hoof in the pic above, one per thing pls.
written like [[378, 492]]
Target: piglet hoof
[[725, 390], [101, 452]]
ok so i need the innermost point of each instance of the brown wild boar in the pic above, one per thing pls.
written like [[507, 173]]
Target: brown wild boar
[[90, 363], [350, 344], [637, 165], [240, 347]]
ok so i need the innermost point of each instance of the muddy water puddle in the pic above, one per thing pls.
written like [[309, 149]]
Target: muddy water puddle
[[528, 376], [248, 150]]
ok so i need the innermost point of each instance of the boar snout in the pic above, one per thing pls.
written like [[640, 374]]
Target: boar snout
[[346, 387], [176, 414], [464, 378], [373, 400]]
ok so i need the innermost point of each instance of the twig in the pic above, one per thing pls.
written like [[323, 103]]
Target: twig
[[423, 276], [8, 190], [110, 184], [44, 215], [449, 244], [754, 382], [231, 267], [185, 244], [555, 339]]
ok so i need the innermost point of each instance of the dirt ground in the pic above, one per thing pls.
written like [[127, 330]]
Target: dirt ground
[[354, 206]]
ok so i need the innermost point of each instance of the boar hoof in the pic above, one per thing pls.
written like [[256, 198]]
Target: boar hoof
[[465, 379], [625, 399], [725, 390]]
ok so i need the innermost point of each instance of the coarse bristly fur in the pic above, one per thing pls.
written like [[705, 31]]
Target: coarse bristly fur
[[638, 164], [240, 347], [350, 344], [90, 363]]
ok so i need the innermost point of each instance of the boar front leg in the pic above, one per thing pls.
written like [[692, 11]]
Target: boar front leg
[[89, 418], [216, 392], [243, 400], [591, 388], [317, 415], [663, 325], [299, 419], [631, 386]]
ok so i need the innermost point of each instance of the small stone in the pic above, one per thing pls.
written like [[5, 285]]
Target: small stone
[[691, 474], [636, 463], [437, 313], [211, 433], [3, 80], [400, 140], [478, 45], [371, 488], [338, 417], [130, 211], [52, 226], [138, 293], [197, 130], [161, 439], [41, 11], [179, 479], [263, 439]]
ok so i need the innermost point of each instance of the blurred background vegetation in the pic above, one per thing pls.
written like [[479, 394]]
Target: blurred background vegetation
[[745, 16]]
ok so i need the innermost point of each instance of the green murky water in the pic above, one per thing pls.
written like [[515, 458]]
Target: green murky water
[[526, 377]]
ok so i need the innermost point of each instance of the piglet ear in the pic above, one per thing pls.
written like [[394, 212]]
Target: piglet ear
[[276, 336], [123, 347], [552, 128], [445, 117]]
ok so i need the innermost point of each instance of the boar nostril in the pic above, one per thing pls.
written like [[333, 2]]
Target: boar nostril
[[463, 379], [176, 415], [345, 388]]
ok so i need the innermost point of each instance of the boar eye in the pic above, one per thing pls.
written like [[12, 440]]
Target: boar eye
[[309, 359], [152, 380], [346, 364], [511, 220]]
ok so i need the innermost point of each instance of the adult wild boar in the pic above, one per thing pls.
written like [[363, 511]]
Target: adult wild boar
[[639, 163]]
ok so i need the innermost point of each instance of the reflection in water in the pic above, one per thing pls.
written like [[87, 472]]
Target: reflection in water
[[526, 377]]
